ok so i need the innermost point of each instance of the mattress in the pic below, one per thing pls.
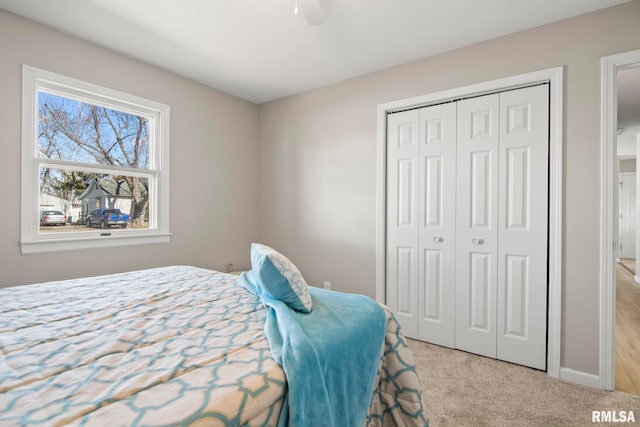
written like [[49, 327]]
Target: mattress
[[174, 345]]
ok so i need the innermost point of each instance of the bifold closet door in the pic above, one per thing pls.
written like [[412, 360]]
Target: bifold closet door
[[436, 270], [501, 246], [403, 150], [421, 174], [522, 226], [477, 225]]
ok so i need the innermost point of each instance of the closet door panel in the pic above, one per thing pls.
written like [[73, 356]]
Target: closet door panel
[[522, 224], [436, 285], [476, 224], [403, 166]]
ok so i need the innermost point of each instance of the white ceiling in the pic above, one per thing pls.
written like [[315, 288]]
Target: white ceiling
[[260, 50]]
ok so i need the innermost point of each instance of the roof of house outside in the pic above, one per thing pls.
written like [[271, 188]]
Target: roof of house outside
[[101, 187]]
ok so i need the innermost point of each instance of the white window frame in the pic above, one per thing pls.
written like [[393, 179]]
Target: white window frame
[[32, 241]]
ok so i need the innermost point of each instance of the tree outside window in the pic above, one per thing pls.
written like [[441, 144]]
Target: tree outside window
[[80, 132]]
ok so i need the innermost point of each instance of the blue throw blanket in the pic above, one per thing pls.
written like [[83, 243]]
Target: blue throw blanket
[[330, 356]]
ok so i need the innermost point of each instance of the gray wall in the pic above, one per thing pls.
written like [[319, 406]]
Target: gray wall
[[317, 159], [213, 160]]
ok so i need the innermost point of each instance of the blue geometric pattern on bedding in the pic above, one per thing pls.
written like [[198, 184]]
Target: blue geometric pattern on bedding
[[397, 400], [167, 346]]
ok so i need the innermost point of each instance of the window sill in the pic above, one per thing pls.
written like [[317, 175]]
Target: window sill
[[71, 243]]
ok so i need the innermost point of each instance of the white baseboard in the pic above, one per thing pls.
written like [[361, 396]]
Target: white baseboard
[[579, 377], [636, 279]]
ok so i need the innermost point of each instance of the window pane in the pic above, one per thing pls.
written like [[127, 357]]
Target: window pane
[[81, 132], [74, 195]]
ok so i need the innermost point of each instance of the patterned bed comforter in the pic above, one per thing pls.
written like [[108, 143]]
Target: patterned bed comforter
[[167, 346]]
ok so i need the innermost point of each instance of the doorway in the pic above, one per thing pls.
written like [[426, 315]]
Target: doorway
[[627, 337], [627, 325], [616, 115]]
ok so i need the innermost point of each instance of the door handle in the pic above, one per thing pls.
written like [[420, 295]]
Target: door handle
[[477, 241], [438, 239]]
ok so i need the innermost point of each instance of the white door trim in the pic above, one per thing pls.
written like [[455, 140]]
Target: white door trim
[[553, 76], [609, 67]]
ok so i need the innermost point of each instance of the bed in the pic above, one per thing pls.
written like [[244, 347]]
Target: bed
[[175, 345]]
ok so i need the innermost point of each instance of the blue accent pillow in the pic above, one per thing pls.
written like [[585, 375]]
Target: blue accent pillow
[[279, 277]]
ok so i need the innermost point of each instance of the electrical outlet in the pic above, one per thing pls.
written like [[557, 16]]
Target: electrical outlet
[[327, 285], [229, 268]]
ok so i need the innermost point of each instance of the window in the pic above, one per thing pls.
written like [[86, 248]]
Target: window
[[89, 149]]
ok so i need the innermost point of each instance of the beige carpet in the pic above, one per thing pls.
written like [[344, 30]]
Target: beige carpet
[[462, 389]]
